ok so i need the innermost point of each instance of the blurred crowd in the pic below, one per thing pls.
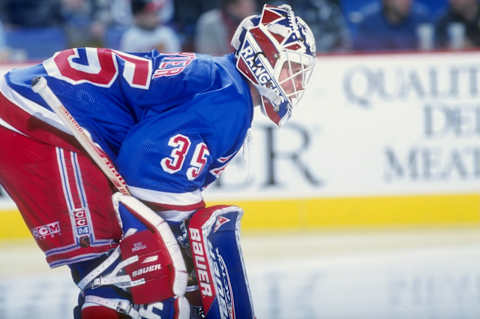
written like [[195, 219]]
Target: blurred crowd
[[35, 29]]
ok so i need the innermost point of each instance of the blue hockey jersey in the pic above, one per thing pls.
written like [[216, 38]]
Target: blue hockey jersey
[[170, 122]]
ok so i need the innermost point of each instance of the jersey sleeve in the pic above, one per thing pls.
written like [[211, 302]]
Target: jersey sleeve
[[175, 78], [165, 161]]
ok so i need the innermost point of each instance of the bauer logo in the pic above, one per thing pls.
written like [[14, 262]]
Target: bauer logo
[[41, 232], [146, 270], [201, 265]]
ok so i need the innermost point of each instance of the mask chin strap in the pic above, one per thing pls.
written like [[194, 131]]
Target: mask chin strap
[[274, 99], [270, 94]]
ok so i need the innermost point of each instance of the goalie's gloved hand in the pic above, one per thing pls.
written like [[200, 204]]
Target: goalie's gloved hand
[[148, 265]]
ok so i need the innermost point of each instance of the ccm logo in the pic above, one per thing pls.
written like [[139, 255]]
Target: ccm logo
[[80, 217], [43, 231], [200, 262]]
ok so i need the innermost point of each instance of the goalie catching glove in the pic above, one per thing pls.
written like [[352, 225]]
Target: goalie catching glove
[[157, 270], [148, 262]]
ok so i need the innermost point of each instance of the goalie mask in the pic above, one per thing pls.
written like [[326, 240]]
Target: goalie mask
[[276, 53]]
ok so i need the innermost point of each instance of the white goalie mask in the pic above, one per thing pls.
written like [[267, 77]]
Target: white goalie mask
[[276, 52]]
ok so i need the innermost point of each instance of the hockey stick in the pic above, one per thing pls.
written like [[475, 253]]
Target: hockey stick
[[40, 86]]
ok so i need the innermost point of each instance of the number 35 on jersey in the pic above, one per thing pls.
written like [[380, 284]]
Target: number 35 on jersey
[[181, 145]]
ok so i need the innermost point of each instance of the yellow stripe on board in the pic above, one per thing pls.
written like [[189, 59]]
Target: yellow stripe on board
[[12, 225], [329, 213], [360, 212]]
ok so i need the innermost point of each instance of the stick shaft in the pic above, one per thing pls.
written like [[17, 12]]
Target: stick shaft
[[40, 86]]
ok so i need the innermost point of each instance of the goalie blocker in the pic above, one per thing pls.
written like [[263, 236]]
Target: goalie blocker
[[218, 262]]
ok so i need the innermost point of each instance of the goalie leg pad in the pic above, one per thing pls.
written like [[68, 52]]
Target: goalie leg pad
[[218, 262]]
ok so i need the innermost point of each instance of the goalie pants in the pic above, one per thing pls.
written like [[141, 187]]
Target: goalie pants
[[65, 200]]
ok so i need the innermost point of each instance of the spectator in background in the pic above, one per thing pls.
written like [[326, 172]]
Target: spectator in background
[[459, 26], [390, 25], [119, 18], [148, 32], [120, 12], [85, 21], [4, 50], [186, 16], [327, 22], [33, 28], [31, 13], [215, 28]]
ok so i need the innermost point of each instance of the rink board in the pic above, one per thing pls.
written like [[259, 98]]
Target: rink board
[[329, 213], [378, 141]]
